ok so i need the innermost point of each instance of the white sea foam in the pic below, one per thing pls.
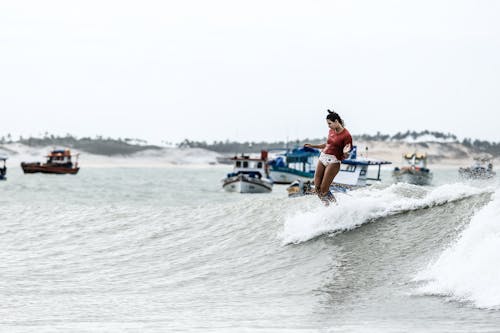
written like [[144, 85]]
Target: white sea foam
[[469, 270], [365, 205]]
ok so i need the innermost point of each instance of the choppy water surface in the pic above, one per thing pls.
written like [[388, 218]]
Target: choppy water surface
[[165, 249]]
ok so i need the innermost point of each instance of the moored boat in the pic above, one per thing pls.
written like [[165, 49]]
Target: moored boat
[[481, 168], [3, 168], [250, 175], [414, 171], [298, 163], [59, 161]]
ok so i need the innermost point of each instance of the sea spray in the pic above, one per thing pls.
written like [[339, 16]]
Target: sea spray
[[468, 270]]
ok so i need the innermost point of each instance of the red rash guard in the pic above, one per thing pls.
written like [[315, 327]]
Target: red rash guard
[[336, 143]]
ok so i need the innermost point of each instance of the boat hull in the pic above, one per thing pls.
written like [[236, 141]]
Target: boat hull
[[40, 168], [415, 178], [245, 184], [283, 177], [474, 174]]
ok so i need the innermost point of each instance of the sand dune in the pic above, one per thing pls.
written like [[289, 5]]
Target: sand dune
[[439, 153], [18, 153]]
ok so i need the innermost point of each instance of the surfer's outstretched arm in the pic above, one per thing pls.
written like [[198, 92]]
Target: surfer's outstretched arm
[[320, 146]]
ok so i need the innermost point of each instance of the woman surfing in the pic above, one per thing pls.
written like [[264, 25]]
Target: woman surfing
[[336, 149]]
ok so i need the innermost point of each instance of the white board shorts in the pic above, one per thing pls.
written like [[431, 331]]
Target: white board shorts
[[327, 159]]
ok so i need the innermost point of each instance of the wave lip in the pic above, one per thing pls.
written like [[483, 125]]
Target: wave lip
[[468, 271], [366, 205]]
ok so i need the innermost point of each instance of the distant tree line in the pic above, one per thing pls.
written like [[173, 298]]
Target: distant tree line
[[124, 146], [98, 145], [399, 136], [480, 146], [233, 147]]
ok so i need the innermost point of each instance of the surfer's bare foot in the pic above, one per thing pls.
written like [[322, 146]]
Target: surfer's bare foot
[[328, 198]]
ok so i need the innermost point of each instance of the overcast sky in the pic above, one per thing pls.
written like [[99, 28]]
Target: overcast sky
[[248, 70]]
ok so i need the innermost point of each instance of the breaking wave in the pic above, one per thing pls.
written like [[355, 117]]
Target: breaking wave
[[468, 271], [366, 205]]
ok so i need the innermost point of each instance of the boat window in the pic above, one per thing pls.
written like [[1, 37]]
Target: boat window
[[259, 165], [348, 168], [245, 164], [238, 164]]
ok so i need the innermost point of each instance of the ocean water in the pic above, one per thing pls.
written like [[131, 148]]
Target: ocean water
[[167, 250]]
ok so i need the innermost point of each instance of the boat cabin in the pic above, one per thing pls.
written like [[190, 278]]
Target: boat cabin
[[303, 160], [483, 163], [254, 167], [60, 157], [416, 160], [354, 171]]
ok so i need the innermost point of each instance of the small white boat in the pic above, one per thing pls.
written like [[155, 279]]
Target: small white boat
[[250, 175], [482, 168], [415, 171], [353, 174]]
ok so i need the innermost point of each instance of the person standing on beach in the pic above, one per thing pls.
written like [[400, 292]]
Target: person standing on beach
[[336, 149]]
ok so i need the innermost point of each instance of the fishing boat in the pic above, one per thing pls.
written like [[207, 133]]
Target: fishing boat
[[59, 161], [298, 163], [3, 168], [353, 174], [250, 175], [481, 168], [414, 171]]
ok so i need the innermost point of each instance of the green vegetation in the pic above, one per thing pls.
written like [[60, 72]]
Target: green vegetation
[[126, 146], [233, 147], [97, 145]]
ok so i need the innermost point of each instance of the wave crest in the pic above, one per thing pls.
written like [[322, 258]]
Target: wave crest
[[468, 270], [366, 205]]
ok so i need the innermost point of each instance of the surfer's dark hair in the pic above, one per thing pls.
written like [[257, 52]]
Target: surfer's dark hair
[[332, 116]]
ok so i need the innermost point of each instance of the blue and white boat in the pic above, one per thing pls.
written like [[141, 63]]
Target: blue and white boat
[[298, 163], [250, 175], [3, 168], [353, 174]]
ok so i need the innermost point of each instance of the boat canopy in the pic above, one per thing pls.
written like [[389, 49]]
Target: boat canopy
[[301, 155], [365, 162], [420, 156], [60, 152]]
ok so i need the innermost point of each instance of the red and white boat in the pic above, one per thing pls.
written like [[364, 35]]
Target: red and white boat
[[59, 161]]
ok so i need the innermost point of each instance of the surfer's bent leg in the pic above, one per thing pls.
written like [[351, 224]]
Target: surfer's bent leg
[[318, 176], [330, 172]]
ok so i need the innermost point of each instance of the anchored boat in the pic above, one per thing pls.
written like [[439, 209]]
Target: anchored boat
[[3, 168], [298, 163], [59, 161], [482, 168], [415, 171], [353, 174], [250, 175]]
